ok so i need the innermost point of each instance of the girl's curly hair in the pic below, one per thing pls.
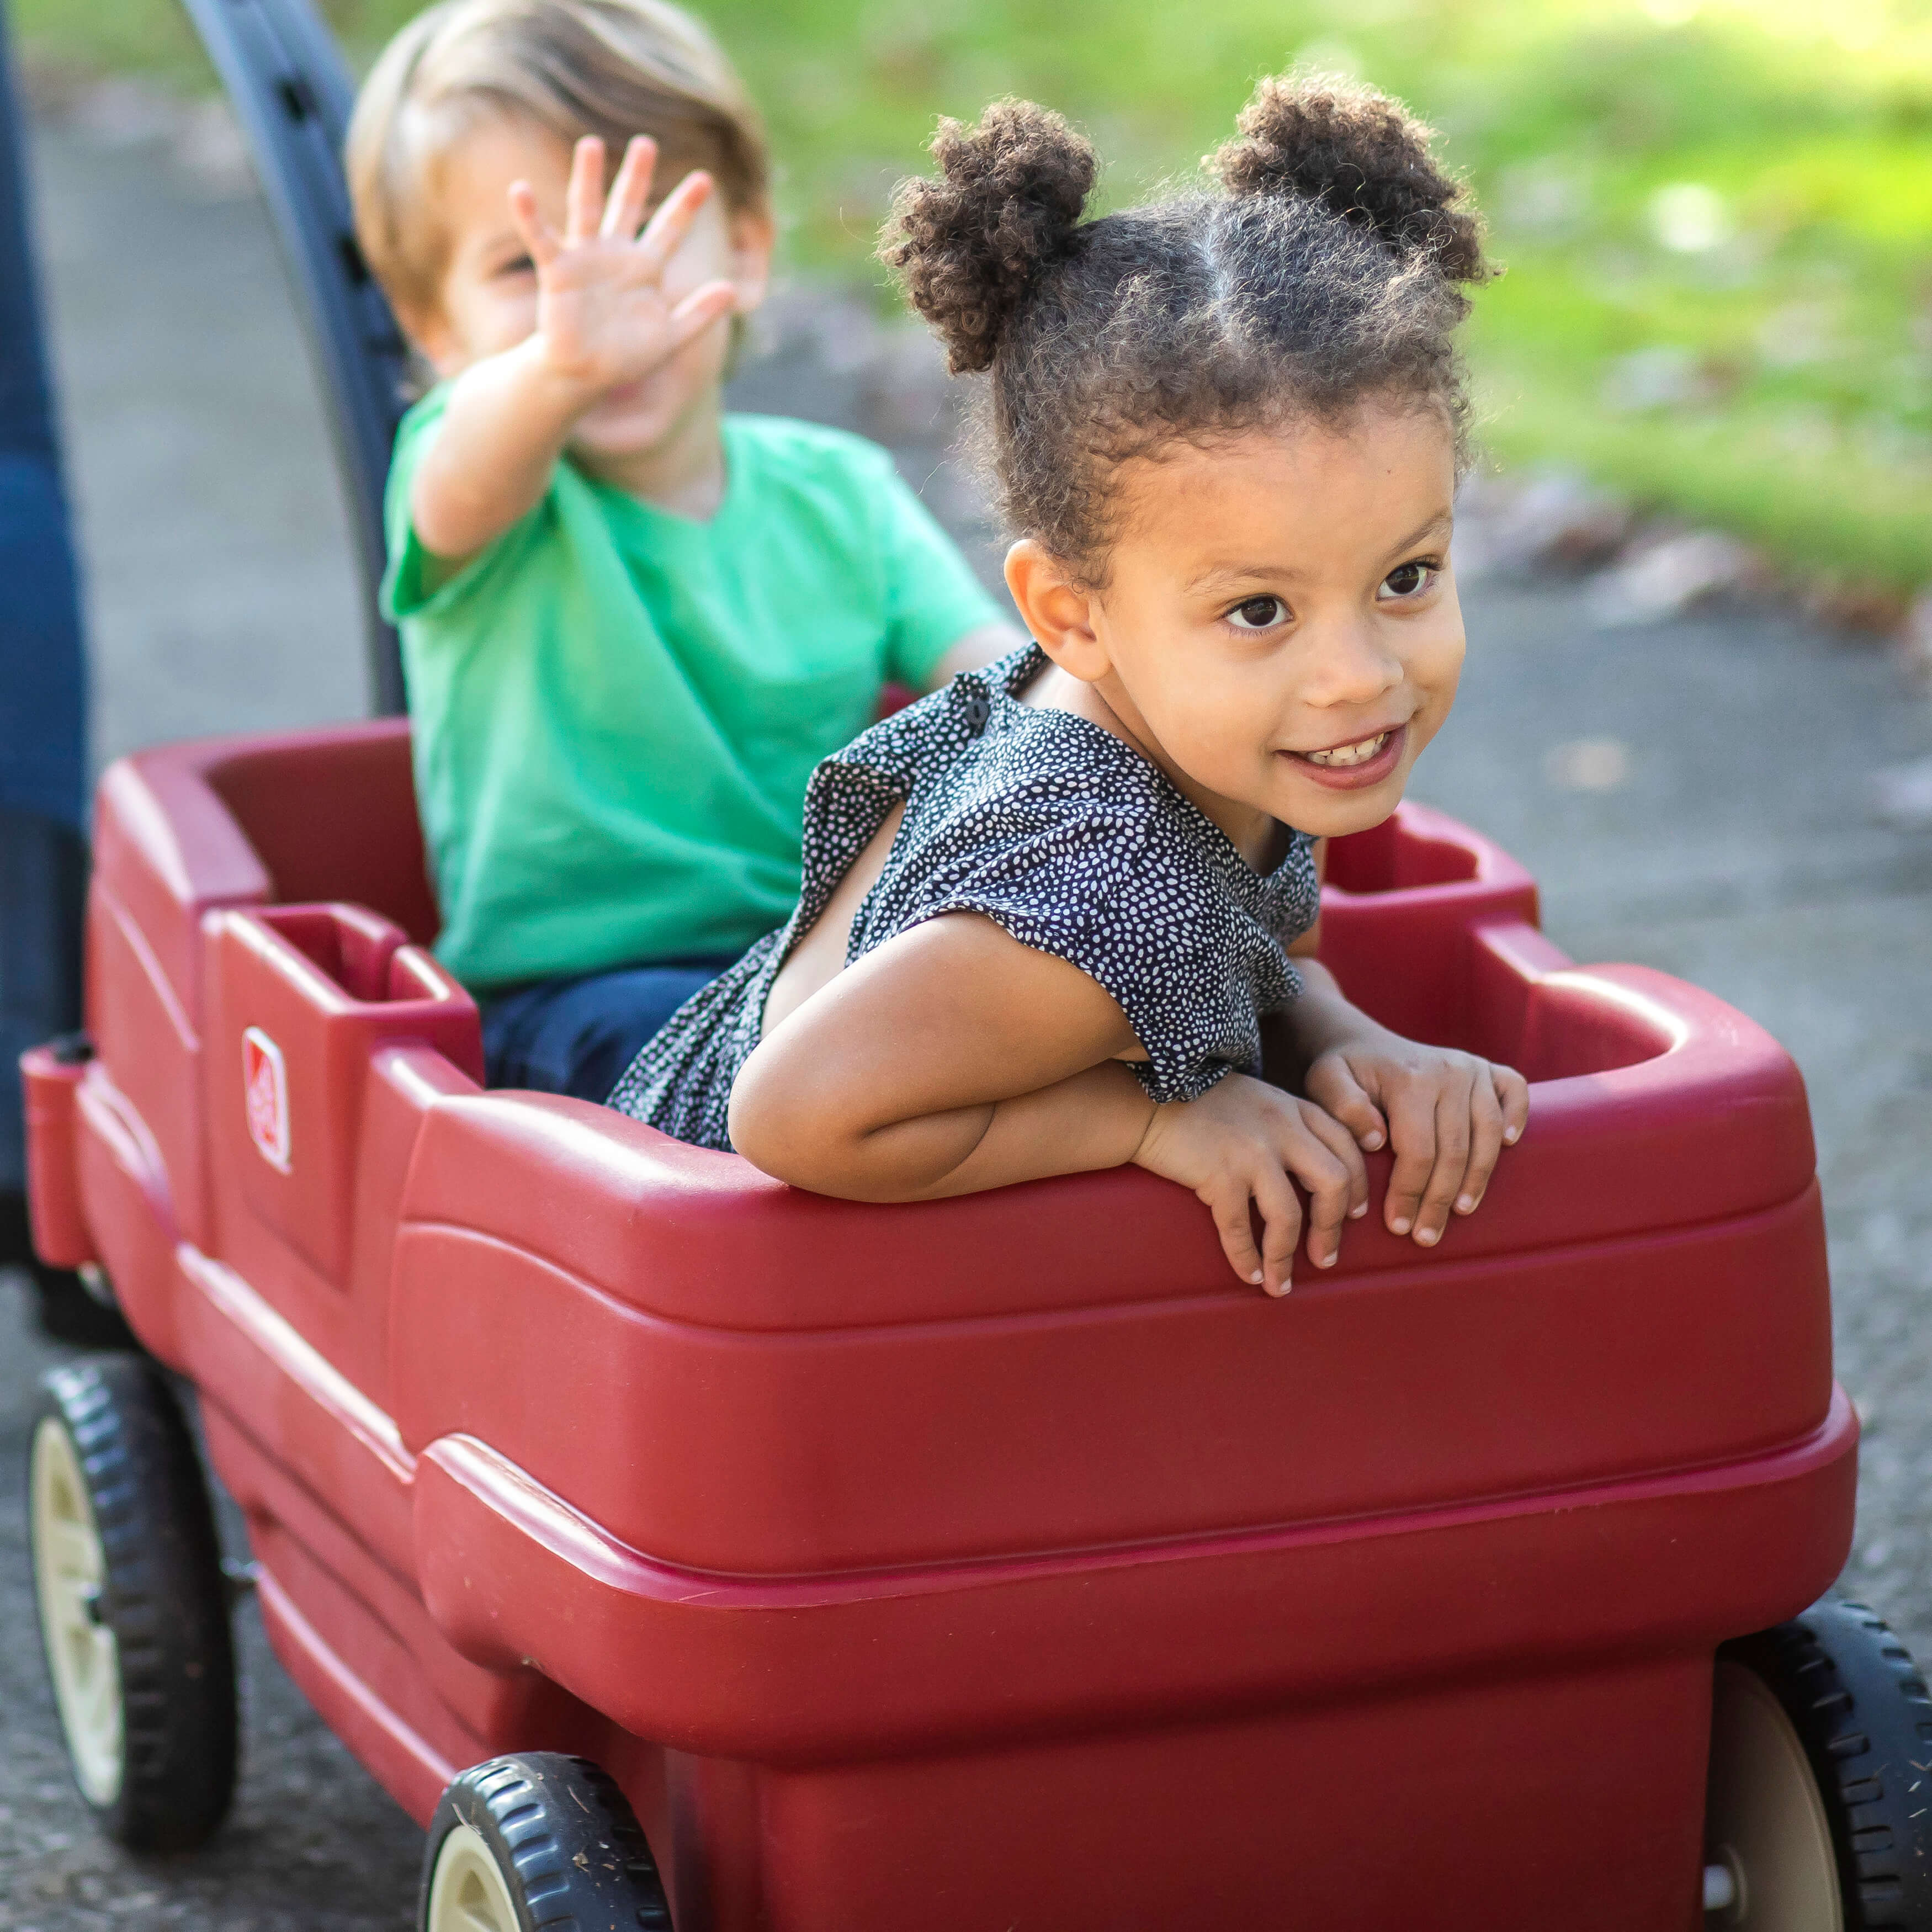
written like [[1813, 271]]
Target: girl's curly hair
[[1329, 270]]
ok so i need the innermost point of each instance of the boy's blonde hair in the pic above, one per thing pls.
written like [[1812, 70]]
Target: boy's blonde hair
[[613, 68]]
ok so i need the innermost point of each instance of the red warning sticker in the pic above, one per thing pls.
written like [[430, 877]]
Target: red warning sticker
[[265, 1080]]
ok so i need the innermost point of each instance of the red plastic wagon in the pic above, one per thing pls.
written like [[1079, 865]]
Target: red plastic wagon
[[684, 1549], [994, 1563]]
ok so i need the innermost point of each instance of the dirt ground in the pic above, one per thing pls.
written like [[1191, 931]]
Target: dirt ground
[[1694, 795]]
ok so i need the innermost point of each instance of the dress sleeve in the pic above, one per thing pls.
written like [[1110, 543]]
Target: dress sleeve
[[1087, 883], [417, 582], [932, 597]]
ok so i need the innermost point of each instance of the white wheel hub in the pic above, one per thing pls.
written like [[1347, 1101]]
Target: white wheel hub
[[1764, 1819], [70, 1570], [467, 1892]]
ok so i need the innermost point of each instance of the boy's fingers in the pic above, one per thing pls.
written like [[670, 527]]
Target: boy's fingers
[[630, 192], [1281, 1227], [1485, 1142], [1513, 1095], [584, 199], [1412, 1132], [539, 237], [1333, 1087], [1452, 1160], [672, 222], [1228, 1202], [699, 309]]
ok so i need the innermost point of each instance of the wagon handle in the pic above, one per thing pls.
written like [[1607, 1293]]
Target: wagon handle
[[292, 95]]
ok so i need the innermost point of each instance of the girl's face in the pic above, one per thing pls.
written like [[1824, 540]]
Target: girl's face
[[488, 300], [1279, 628]]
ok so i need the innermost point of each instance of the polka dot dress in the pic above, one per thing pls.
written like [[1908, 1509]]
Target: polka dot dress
[[1057, 831]]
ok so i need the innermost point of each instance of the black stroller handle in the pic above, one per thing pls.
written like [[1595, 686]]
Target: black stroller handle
[[293, 93]]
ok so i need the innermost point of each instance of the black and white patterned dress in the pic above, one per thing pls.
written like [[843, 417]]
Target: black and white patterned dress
[[1057, 831]]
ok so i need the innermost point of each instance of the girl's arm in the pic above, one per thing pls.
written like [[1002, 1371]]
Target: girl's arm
[[603, 319], [954, 1059]]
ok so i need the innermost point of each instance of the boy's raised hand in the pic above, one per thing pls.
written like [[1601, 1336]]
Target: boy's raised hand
[[603, 314]]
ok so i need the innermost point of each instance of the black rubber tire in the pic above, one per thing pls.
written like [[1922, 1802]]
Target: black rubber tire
[[164, 1598], [1863, 1714], [567, 1846]]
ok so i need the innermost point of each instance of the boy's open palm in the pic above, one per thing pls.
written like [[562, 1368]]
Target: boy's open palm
[[603, 314]]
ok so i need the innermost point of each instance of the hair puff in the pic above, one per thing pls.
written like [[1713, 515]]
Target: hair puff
[[972, 244], [1364, 156]]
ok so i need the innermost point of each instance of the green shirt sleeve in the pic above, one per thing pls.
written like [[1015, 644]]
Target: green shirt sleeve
[[932, 597], [418, 583]]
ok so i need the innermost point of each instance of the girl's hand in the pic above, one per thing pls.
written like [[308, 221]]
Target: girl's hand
[[1237, 1145], [1448, 1115], [603, 316]]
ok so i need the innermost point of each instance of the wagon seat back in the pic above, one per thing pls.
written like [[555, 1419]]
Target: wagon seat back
[[267, 1023]]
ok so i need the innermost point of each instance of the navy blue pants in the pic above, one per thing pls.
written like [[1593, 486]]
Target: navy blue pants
[[43, 688], [576, 1036]]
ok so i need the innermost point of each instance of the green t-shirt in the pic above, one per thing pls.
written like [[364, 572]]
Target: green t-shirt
[[616, 709]]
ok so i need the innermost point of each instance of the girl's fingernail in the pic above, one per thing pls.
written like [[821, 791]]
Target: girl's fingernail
[[1356, 1213], [1371, 1141], [1427, 1237], [1465, 1203], [1256, 1277], [1509, 1134], [1327, 1261], [1398, 1227]]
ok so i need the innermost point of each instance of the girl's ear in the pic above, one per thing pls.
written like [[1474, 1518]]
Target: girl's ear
[[1056, 611]]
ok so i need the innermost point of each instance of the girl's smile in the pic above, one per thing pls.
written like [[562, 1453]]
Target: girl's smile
[[1352, 766]]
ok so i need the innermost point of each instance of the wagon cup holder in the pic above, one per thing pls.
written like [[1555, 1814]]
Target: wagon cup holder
[[1414, 847], [301, 998], [360, 952], [1434, 930]]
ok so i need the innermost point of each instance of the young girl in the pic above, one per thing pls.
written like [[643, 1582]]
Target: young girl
[[1049, 913], [631, 625]]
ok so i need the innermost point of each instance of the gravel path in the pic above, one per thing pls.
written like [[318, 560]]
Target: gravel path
[[1694, 796]]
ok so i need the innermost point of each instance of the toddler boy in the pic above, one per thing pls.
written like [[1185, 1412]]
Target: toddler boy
[[630, 624]]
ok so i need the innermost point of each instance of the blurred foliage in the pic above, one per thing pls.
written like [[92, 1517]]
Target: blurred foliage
[[1716, 218]]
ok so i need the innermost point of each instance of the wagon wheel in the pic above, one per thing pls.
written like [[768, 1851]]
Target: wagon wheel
[[1821, 1780], [133, 1605], [536, 1840]]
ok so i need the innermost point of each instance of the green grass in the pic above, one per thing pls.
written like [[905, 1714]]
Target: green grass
[[1776, 379]]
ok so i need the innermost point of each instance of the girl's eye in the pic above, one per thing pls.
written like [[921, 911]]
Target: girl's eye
[[1258, 613], [522, 266], [1407, 581]]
